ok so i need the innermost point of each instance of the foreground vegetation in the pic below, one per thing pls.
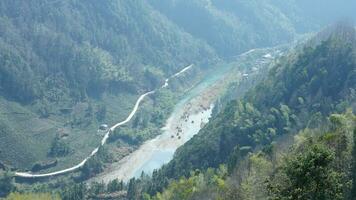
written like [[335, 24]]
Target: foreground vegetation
[[319, 165]]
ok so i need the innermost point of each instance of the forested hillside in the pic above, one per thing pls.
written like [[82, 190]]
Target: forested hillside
[[290, 137], [87, 47], [301, 91], [319, 165], [232, 27], [64, 64], [69, 66]]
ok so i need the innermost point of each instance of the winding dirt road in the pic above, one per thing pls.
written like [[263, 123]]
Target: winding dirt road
[[103, 141]]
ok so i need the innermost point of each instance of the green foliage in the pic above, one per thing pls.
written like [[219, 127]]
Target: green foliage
[[80, 191], [32, 196], [6, 184], [96, 163], [83, 62], [132, 190], [230, 27], [198, 186], [233, 159], [74, 192], [59, 148], [101, 113], [252, 174], [96, 188], [148, 122], [54, 59], [92, 166], [274, 107], [164, 103], [309, 175], [316, 166], [353, 169], [115, 185]]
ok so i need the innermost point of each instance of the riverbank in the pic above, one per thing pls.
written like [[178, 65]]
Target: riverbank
[[188, 117], [104, 139]]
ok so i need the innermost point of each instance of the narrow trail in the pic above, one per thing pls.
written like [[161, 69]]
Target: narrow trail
[[105, 138]]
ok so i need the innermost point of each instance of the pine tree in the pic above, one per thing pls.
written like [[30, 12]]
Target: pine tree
[[6, 184], [131, 191], [353, 172]]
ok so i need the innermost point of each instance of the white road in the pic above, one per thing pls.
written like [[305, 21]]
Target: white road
[[105, 138]]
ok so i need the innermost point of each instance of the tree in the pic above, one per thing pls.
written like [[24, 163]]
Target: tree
[[307, 175], [59, 148], [6, 184], [233, 159], [75, 192], [101, 113], [41, 196], [115, 185], [131, 191], [97, 188], [93, 166], [353, 172]]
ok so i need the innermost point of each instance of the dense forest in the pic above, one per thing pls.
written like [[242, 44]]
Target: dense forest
[[290, 137], [232, 27], [64, 63], [301, 91], [69, 67], [319, 165], [299, 96]]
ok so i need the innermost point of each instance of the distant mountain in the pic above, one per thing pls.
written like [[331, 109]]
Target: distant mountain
[[234, 26], [230, 27]]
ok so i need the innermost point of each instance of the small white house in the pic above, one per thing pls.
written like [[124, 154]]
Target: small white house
[[103, 127], [268, 56]]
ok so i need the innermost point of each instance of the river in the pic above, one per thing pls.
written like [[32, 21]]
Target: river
[[188, 117]]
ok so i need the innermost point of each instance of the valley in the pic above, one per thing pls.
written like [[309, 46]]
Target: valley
[[189, 115], [177, 100], [106, 136]]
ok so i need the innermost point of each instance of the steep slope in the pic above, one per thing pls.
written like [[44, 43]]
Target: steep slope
[[103, 42], [300, 91], [230, 27], [65, 64], [247, 143], [234, 26], [323, 12], [316, 164]]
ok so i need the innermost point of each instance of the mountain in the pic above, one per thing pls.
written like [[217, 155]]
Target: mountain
[[68, 66], [87, 46], [292, 136], [301, 91], [316, 163], [230, 27], [65, 62], [235, 26]]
